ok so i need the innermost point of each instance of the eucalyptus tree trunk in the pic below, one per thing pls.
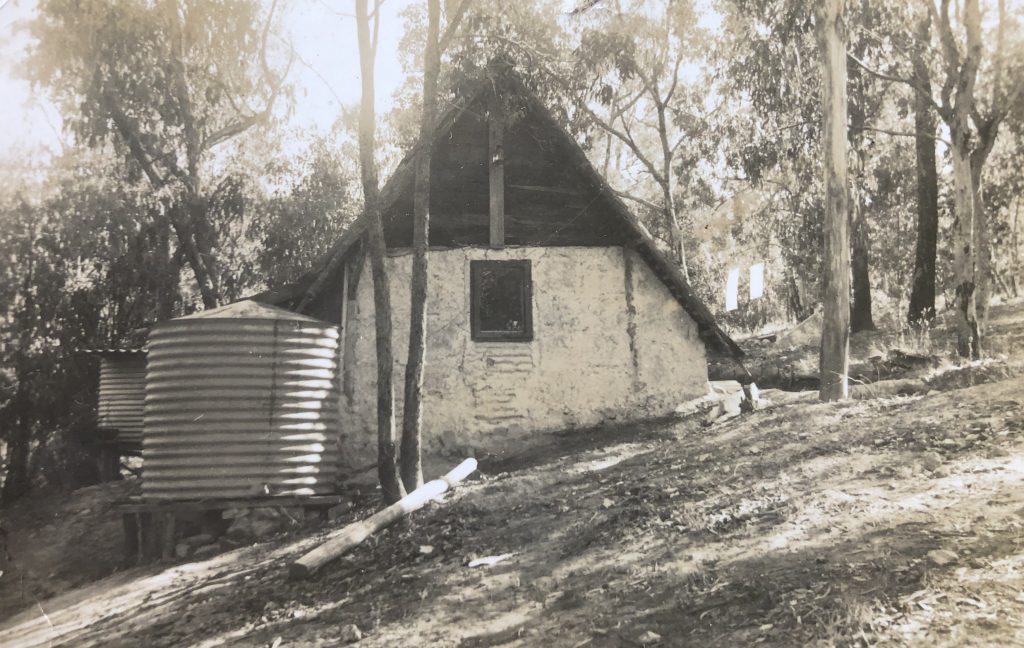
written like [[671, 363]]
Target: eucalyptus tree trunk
[[412, 413], [965, 278], [860, 261], [387, 472], [671, 217], [922, 292], [794, 303], [988, 129], [964, 270], [835, 330], [982, 241], [678, 246], [168, 269], [860, 315]]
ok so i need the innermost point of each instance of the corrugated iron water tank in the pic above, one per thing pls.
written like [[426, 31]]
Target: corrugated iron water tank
[[122, 395], [241, 401]]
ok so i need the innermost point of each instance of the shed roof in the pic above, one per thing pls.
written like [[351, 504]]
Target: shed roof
[[631, 233]]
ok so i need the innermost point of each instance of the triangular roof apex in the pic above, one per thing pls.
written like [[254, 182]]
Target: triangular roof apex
[[500, 71]]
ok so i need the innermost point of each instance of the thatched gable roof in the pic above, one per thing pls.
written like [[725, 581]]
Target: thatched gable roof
[[615, 223]]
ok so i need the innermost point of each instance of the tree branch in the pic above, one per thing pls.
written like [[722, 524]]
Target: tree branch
[[637, 199], [914, 84], [134, 141], [233, 129], [675, 79], [626, 106], [949, 50], [895, 133], [267, 72], [624, 138], [997, 56], [650, 85], [275, 82], [679, 142], [452, 26], [193, 149]]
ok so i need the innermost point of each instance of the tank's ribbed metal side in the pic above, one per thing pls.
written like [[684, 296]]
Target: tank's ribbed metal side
[[122, 397], [239, 408]]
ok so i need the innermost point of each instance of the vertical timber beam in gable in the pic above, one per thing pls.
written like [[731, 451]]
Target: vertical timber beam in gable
[[496, 182]]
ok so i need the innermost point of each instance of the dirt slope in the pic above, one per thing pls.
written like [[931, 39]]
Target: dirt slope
[[884, 522], [58, 542]]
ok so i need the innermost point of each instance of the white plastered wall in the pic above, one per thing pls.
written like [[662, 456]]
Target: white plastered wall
[[609, 343]]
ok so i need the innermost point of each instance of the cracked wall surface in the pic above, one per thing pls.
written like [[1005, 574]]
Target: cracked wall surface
[[609, 342]]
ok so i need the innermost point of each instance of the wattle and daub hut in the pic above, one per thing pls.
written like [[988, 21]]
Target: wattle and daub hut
[[550, 306]]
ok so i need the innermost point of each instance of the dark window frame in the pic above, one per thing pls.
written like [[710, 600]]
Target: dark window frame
[[526, 294]]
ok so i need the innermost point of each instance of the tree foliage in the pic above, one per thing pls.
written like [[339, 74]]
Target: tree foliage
[[86, 266], [167, 82]]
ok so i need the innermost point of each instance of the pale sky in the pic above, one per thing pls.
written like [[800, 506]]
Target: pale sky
[[326, 70], [328, 66]]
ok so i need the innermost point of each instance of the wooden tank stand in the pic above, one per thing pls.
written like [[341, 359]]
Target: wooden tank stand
[[111, 450], [151, 526]]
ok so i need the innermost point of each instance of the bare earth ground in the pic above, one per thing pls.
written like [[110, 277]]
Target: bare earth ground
[[896, 521]]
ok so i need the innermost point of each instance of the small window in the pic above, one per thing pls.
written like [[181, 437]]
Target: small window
[[501, 298]]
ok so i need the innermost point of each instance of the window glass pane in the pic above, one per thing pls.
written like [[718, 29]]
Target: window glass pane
[[502, 291]]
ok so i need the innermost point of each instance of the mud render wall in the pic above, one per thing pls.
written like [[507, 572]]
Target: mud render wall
[[609, 343]]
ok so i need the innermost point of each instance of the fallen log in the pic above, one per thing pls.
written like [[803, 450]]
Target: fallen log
[[772, 398], [351, 536], [882, 389], [889, 388], [782, 374], [766, 373]]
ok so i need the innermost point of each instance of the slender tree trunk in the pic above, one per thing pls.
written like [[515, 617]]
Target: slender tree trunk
[[987, 131], [412, 413], [16, 482], [671, 217], [1015, 248], [964, 270], [180, 216], [181, 222], [860, 315], [1001, 284], [387, 469], [964, 251], [922, 293], [982, 240], [983, 255], [169, 274], [676, 232], [206, 243], [835, 332], [793, 301]]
